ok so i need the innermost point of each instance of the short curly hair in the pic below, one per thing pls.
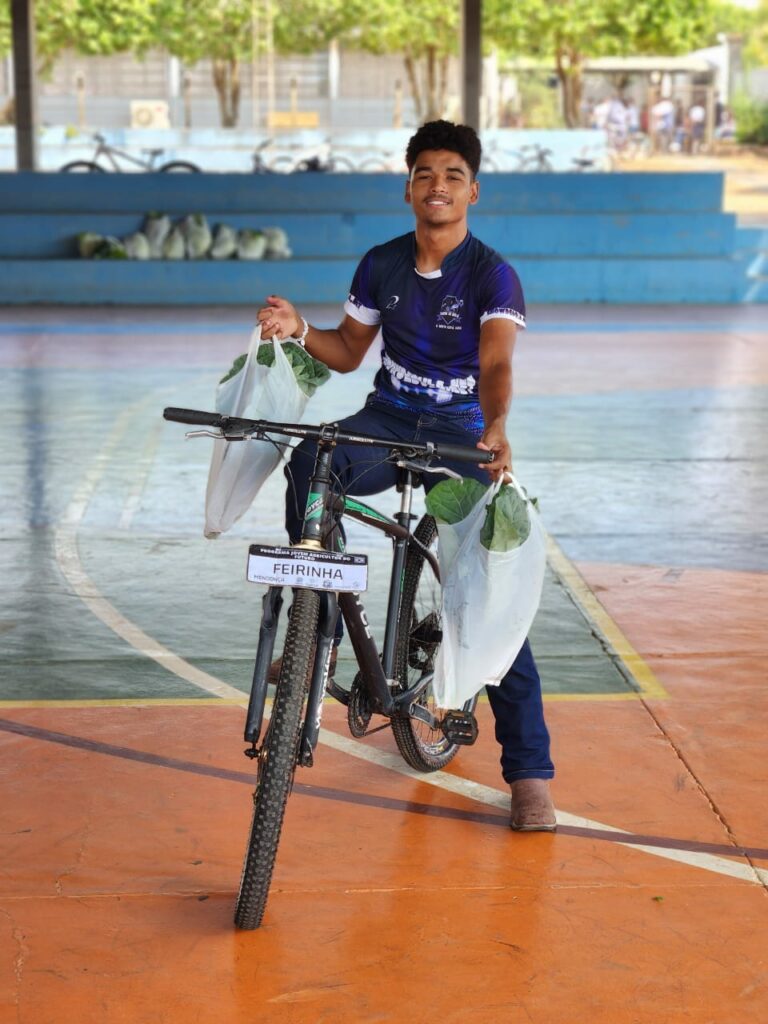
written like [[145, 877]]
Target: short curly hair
[[458, 138]]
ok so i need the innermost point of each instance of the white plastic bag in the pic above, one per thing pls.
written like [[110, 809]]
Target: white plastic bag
[[240, 468], [490, 599]]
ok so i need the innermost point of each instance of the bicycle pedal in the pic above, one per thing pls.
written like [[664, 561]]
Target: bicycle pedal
[[459, 727]]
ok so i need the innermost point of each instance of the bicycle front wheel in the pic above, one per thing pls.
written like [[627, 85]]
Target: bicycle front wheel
[[277, 761], [179, 166], [419, 634]]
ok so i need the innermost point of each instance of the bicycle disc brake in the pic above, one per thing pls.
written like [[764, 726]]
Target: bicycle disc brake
[[424, 640], [358, 709]]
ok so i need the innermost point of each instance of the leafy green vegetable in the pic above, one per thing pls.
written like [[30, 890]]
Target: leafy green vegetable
[[310, 373], [450, 501], [507, 523], [235, 368]]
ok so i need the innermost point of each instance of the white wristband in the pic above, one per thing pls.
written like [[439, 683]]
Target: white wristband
[[302, 338]]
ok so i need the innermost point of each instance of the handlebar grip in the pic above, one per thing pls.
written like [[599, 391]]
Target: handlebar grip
[[460, 453], [194, 417]]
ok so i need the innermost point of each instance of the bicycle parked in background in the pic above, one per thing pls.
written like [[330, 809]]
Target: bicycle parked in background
[[106, 151], [528, 158], [268, 158], [326, 581]]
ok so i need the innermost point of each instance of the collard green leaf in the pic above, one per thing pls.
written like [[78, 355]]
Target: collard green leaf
[[450, 501], [507, 523], [309, 372], [236, 367]]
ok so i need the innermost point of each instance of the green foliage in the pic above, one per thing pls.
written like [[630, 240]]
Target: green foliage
[[571, 31], [539, 101], [194, 30], [90, 27], [751, 121], [599, 28], [450, 501], [507, 522], [309, 372], [5, 27], [755, 34], [382, 26]]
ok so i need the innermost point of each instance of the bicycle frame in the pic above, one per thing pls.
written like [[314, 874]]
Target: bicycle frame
[[111, 152], [377, 667]]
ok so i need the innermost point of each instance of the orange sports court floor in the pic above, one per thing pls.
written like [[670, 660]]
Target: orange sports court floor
[[127, 642]]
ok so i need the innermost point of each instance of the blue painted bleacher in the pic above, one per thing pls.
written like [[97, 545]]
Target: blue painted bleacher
[[629, 238]]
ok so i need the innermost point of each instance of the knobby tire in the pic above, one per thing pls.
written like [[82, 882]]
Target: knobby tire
[[278, 760], [423, 749]]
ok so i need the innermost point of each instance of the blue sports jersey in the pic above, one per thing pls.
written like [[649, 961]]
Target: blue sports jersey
[[431, 322]]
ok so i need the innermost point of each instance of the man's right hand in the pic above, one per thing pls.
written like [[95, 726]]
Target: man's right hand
[[279, 319]]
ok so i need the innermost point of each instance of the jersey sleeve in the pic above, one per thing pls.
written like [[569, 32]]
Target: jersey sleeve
[[361, 304], [502, 296]]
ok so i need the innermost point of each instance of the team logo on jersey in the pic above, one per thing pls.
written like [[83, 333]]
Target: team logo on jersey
[[449, 315], [392, 302]]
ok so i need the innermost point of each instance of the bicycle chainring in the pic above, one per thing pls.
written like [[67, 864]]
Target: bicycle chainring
[[359, 709]]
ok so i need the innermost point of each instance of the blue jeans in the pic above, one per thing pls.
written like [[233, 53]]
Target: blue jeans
[[516, 702]]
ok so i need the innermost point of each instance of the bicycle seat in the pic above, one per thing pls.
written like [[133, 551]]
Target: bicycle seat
[[152, 152]]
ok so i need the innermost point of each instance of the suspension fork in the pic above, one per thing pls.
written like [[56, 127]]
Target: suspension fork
[[326, 632], [271, 604], [402, 518]]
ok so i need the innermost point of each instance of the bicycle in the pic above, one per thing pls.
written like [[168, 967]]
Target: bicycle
[[592, 158], [317, 159], [112, 153], [531, 157], [327, 581]]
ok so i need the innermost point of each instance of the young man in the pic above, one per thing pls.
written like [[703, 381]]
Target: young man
[[448, 308]]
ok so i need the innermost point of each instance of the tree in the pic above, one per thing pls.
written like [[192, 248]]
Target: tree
[[218, 30], [425, 32], [571, 31], [90, 27], [222, 31]]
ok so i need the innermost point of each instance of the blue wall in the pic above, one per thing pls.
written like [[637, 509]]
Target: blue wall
[[646, 238]]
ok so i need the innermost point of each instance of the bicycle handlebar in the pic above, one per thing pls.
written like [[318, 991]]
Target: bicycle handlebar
[[324, 432]]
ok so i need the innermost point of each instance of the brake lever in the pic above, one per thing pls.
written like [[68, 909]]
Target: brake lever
[[221, 436], [420, 467], [202, 433]]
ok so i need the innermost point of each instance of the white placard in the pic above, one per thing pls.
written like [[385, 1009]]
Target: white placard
[[303, 567]]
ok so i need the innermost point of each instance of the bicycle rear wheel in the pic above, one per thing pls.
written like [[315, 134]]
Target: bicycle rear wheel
[[82, 167], [277, 761], [418, 638]]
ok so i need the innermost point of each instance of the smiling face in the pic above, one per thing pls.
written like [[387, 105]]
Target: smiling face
[[441, 188]]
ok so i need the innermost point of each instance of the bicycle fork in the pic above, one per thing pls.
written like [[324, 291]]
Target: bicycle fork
[[272, 604]]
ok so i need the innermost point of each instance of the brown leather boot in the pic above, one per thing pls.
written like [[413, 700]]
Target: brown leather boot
[[532, 807], [274, 669]]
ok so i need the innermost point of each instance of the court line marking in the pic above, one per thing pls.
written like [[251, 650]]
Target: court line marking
[[403, 804], [609, 631], [118, 702], [146, 460], [68, 559], [497, 798], [67, 556]]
